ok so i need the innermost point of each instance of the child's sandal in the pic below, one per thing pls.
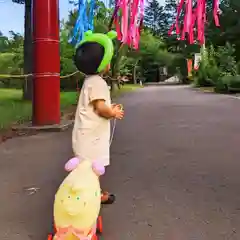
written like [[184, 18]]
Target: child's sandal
[[107, 198]]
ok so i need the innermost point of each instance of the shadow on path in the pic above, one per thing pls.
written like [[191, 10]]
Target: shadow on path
[[175, 170]]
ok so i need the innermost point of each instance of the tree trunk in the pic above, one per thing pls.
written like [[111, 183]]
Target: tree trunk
[[114, 86], [135, 72], [115, 70], [28, 52]]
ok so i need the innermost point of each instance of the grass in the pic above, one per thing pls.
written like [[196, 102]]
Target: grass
[[207, 89], [204, 89], [126, 88], [13, 110], [130, 87]]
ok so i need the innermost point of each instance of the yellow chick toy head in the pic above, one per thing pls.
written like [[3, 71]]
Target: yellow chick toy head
[[78, 200]]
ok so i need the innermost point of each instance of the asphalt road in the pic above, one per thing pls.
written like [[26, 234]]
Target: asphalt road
[[175, 171]]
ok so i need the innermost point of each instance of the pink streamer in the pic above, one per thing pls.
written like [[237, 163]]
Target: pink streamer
[[202, 28], [189, 16], [184, 28], [199, 18], [215, 12], [133, 31], [124, 24], [176, 24], [194, 15], [128, 32], [118, 29], [191, 36], [171, 29], [140, 23]]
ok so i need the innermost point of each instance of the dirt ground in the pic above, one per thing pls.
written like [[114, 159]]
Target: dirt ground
[[175, 171]]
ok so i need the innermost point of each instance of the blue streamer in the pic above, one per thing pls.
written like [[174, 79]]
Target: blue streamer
[[84, 21], [91, 14]]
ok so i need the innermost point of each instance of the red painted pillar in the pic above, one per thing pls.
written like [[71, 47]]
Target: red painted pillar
[[46, 86]]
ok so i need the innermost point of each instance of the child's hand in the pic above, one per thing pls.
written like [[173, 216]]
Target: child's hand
[[113, 105], [117, 111], [119, 105]]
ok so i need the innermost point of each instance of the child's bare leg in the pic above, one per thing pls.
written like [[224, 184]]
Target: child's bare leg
[[106, 197]]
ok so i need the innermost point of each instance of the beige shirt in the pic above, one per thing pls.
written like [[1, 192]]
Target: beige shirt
[[91, 133]]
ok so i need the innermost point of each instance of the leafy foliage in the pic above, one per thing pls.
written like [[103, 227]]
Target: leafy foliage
[[220, 67]]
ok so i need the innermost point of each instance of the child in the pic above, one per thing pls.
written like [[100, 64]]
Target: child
[[91, 132]]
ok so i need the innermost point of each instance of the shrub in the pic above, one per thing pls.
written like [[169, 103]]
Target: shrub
[[221, 86], [218, 68], [226, 60], [238, 67], [232, 83], [200, 77], [207, 74]]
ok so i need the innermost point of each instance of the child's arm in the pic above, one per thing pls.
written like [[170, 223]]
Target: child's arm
[[108, 112], [103, 110], [99, 95]]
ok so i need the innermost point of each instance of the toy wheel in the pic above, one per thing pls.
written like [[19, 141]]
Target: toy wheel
[[95, 237], [54, 228], [99, 225], [50, 237]]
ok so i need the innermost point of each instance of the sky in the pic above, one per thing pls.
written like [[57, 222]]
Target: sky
[[12, 15]]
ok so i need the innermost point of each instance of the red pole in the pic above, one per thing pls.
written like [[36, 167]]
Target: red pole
[[46, 86]]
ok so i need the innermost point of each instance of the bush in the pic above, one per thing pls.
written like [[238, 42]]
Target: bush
[[232, 83], [221, 86], [226, 60], [218, 69], [238, 68], [206, 75]]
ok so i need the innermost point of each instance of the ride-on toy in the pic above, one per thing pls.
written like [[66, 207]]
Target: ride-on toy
[[77, 203], [95, 236]]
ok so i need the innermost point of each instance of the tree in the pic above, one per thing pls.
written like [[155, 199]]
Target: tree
[[152, 13], [229, 30], [28, 49], [4, 43], [11, 58], [156, 49], [170, 9]]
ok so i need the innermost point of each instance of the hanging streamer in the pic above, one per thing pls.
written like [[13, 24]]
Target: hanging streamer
[[193, 15], [124, 25], [128, 19], [84, 21], [189, 16], [176, 24], [191, 28], [215, 12], [91, 15]]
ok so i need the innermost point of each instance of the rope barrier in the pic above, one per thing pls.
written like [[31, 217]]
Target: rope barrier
[[31, 74], [61, 77]]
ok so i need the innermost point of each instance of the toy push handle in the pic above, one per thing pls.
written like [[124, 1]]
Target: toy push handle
[[118, 105], [121, 106]]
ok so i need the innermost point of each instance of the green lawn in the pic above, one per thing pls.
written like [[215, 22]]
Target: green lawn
[[13, 110], [126, 88]]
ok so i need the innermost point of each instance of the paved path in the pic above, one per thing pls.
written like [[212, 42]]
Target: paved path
[[175, 170]]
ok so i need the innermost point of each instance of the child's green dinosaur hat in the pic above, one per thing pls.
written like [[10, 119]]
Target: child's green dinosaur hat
[[105, 40]]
